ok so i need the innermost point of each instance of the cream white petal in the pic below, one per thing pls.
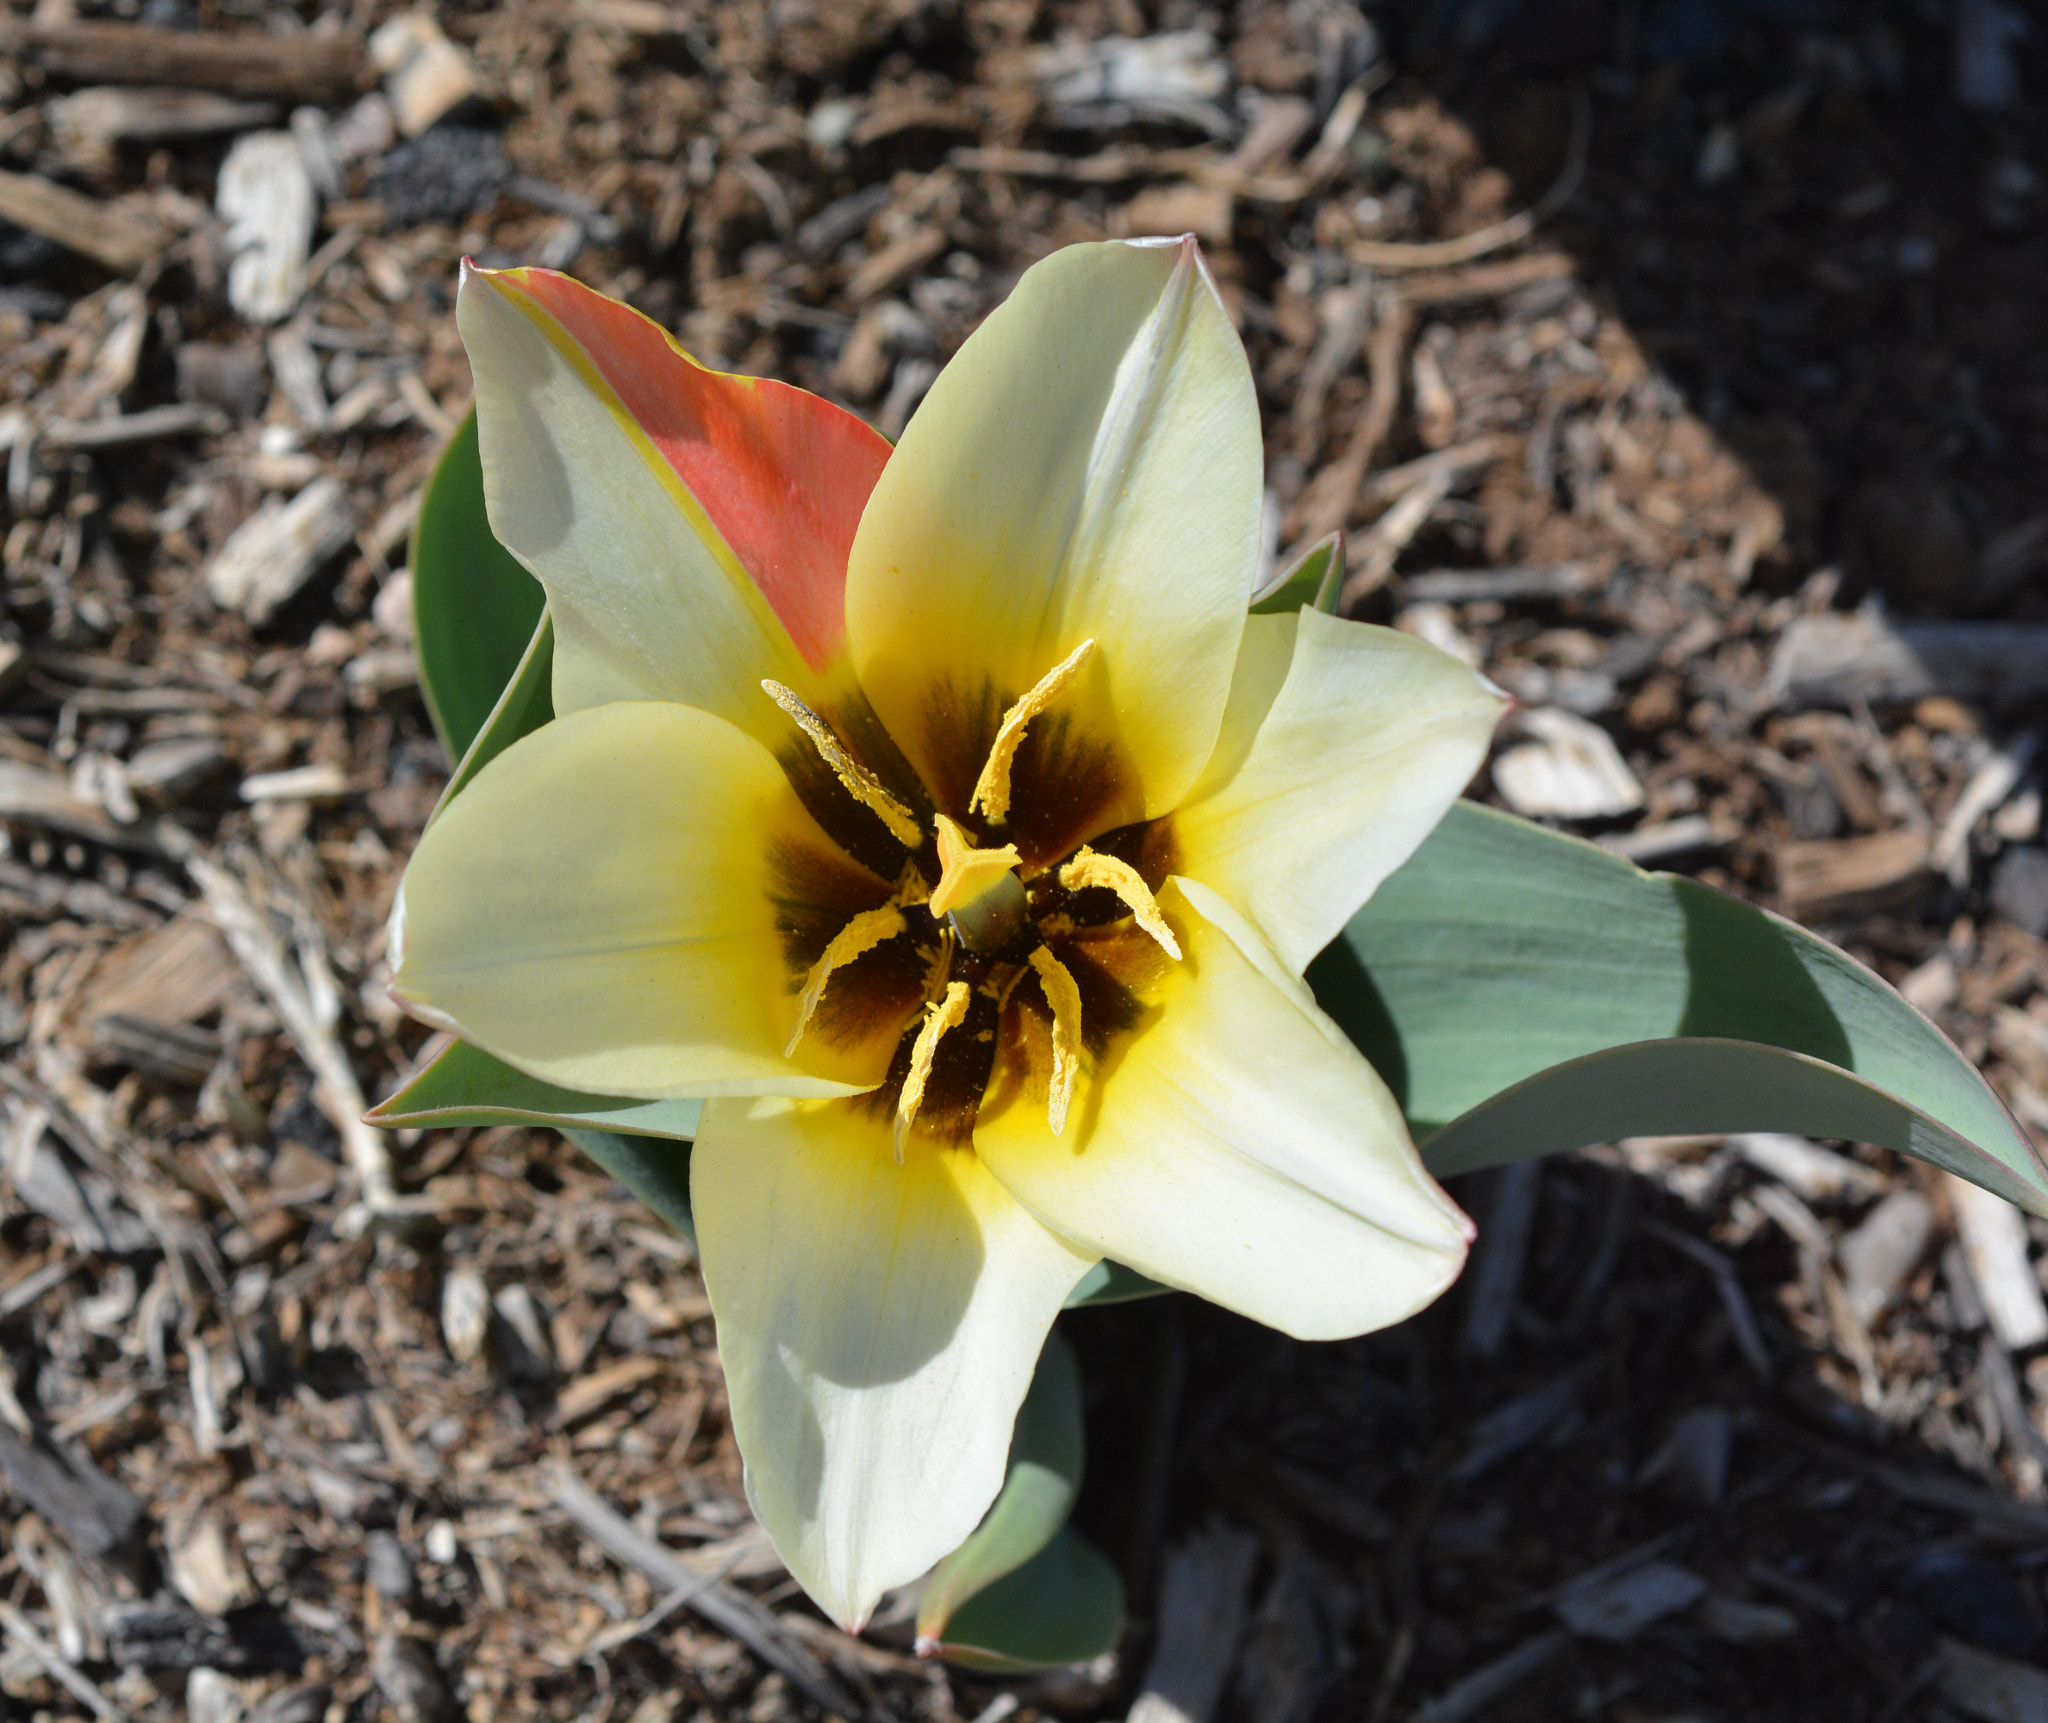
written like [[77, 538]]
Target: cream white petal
[[599, 909], [878, 1325], [1237, 1146], [1342, 747], [1088, 467], [649, 601]]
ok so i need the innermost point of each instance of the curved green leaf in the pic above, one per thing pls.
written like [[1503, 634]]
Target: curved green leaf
[[655, 1170], [1112, 1283], [1312, 581], [474, 607], [1065, 1605], [524, 705], [1507, 980], [464, 1085], [1045, 1475]]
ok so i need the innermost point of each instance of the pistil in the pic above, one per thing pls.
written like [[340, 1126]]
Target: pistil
[[978, 889]]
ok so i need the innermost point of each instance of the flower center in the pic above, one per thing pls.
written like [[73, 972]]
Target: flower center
[[989, 970]]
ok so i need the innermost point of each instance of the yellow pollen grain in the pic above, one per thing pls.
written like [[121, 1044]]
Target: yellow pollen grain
[[992, 789], [946, 1014], [1065, 1000], [964, 871], [1093, 868], [861, 784], [856, 939]]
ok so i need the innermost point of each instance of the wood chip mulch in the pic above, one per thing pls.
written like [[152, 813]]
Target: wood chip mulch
[[1677, 363]]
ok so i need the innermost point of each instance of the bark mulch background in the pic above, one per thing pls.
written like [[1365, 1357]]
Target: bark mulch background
[[1679, 361]]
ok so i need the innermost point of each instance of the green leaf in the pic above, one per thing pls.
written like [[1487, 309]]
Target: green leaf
[[1112, 1283], [645, 1145], [1523, 992], [474, 607], [464, 1085], [1315, 579], [1065, 1605], [654, 1169], [526, 703], [1044, 1477]]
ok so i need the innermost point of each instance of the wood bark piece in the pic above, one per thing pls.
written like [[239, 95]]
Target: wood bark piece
[[173, 976], [167, 1635], [1379, 547], [1514, 1424], [120, 236], [1648, 845], [426, 76], [1327, 505], [308, 68], [84, 1205], [1295, 1648], [1493, 1681], [1885, 1248], [1989, 785], [1568, 769], [266, 197], [1498, 585], [1834, 660], [89, 124], [732, 1612], [19, 1629], [45, 798], [279, 548], [1988, 1688], [1994, 1239], [301, 989], [1467, 248], [1817, 1174], [93, 1513], [1619, 1607], [1495, 1277], [152, 424], [1488, 280], [29, 894], [1201, 1616], [1816, 878]]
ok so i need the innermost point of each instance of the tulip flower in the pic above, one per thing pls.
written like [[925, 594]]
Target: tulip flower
[[941, 816]]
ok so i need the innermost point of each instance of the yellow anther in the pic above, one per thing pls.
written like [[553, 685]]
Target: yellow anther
[[856, 939], [910, 886], [861, 784], [1065, 999], [1093, 868], [946, 1014], [992, 789], [966, 873]]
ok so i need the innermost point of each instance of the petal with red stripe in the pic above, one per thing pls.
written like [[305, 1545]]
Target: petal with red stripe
[[691, 527]]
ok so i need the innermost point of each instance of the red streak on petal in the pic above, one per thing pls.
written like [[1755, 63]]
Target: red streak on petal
[[782, 473]]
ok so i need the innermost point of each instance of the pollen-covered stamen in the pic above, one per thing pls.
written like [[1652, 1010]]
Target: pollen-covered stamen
[[1064, 997], [1093, 868], [861, 784], [945, 1014], [992, 789], [911, 886], [856, 939]]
